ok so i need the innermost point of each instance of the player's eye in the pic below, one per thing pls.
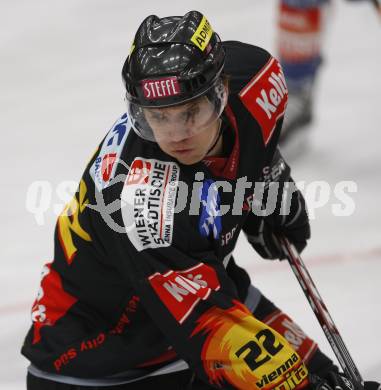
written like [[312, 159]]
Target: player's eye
[[191, 113], [157, 117]]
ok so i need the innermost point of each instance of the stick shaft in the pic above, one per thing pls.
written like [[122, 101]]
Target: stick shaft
[[321, 313]]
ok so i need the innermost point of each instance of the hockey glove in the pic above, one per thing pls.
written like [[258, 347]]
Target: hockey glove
[[337, 381], [288, 218], [295, 226]]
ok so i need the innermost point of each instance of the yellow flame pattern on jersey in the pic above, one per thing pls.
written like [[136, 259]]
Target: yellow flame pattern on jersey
[[247, 353], [68, 223]]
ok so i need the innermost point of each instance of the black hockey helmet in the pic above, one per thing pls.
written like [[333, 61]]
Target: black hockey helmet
[[173, 60], [184, 49]]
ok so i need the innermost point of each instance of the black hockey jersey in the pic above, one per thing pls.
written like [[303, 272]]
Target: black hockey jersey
[[143, 273]]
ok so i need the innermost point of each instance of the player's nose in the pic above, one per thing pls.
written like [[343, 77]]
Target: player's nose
[[179, 136]]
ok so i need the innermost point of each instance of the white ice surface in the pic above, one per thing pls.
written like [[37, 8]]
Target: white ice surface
[[61, 89]]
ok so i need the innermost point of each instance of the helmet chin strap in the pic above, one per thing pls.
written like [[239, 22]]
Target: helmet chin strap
[[218, 136]]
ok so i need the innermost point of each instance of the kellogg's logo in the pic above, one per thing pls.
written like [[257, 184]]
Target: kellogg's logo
[[266, 97]]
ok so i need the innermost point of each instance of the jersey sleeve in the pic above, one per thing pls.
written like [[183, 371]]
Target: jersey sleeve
[[258, 79], [260, 85], [278, 203]]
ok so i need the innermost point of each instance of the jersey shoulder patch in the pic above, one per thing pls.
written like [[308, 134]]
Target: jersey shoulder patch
[[105, 164], [265, 97]]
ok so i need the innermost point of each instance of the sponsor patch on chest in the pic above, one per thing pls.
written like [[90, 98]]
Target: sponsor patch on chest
[[149, 197], [266, 97]]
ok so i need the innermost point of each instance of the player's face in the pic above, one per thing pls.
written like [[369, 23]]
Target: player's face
[[185, 132]]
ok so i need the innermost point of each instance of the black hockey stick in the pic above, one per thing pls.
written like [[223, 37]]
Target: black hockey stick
[[321, 313]]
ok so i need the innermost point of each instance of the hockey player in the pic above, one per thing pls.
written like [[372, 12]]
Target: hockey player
[[300, 30], [143, 291], [299, 45]]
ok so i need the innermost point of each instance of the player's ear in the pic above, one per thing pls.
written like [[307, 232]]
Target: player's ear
[[226, 80]]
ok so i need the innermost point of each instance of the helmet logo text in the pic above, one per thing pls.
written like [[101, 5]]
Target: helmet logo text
[[161, 88], [203, 34]]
